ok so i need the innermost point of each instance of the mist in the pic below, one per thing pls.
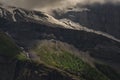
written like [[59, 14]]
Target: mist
[[48, 5]]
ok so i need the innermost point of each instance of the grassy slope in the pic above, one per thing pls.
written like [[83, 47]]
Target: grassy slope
[[20, 70], [63, 59], [58, 57]]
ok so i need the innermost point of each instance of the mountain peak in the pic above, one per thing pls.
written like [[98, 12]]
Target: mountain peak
[[15, 14]]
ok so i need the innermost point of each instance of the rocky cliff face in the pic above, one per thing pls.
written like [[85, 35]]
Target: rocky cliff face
[[101, 17]]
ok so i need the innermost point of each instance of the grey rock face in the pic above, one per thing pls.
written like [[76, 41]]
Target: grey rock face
[[101, 17]]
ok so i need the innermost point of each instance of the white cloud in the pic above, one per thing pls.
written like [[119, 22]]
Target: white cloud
[[47, 5]]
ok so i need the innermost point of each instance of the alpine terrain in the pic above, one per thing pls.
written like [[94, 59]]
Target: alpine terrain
[[36, 46]]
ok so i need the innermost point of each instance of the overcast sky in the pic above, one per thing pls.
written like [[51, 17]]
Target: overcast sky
[[49, 4]]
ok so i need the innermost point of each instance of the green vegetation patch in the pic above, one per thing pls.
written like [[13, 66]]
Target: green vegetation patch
[[68, 62], [21, 57]]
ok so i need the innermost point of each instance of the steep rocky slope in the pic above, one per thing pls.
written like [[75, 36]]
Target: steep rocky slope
[[48, 47], [101, 17]]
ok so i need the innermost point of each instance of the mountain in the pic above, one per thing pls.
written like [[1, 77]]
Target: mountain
[[13, 63], [101, 17], [48, 49]]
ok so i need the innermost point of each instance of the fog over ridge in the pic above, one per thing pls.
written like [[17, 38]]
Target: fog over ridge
[[47, 5]]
